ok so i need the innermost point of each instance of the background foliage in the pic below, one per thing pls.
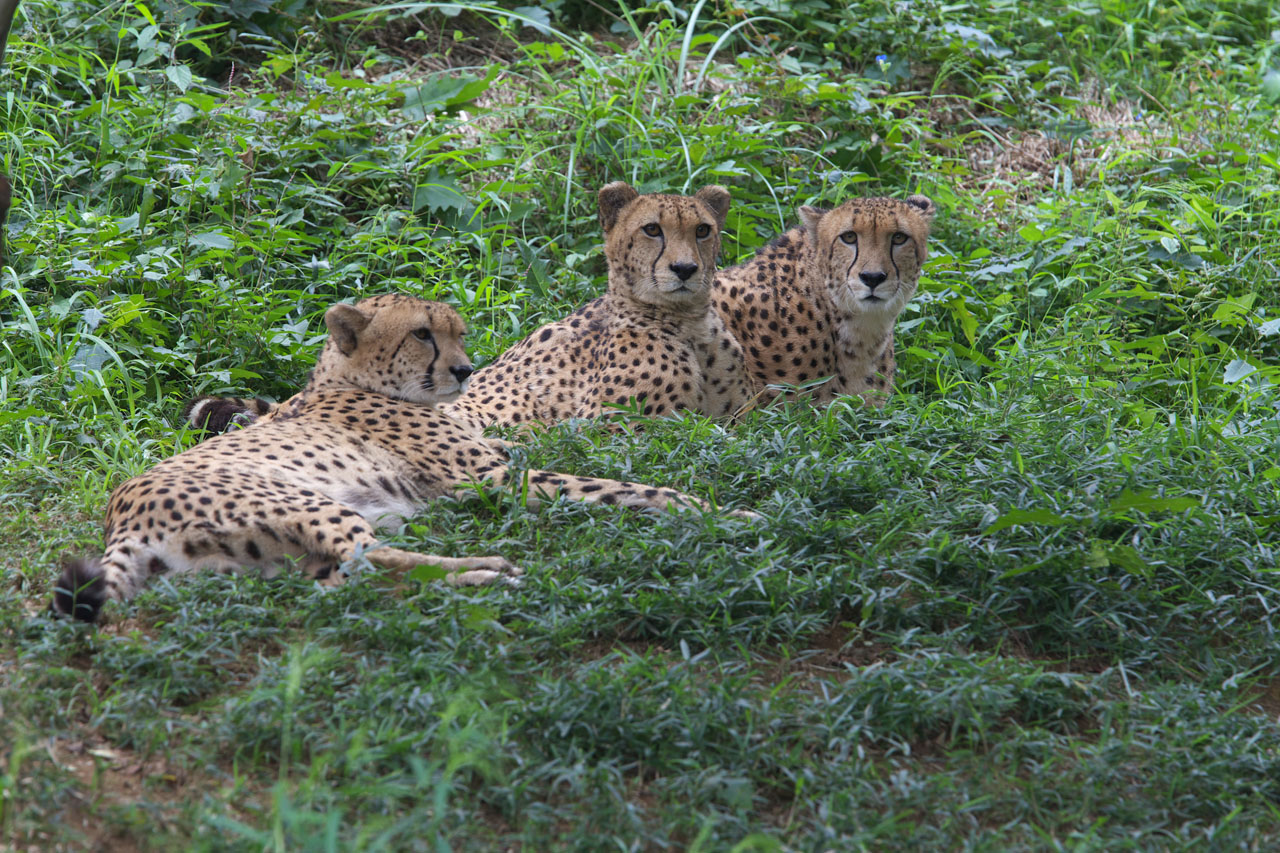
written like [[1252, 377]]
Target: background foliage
[[1032, 604]]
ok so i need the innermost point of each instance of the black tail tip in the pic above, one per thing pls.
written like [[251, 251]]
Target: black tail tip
[[216, 415], [197, 412], [81, 592]]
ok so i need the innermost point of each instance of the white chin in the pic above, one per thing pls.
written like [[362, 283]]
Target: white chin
[[449, 396], [865, 303], [679, 291]]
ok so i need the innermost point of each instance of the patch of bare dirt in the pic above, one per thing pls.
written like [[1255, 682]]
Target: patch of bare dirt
[[1017, 165], [1265, 699], [112, 776]]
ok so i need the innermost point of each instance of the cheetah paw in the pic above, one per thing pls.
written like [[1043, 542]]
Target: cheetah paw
[[487, 570]]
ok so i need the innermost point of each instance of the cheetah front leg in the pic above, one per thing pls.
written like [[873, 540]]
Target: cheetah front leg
[[460, 571], [540, 485], [354, 536]]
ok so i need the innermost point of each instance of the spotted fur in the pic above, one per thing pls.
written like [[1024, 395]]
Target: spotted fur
[[820, 301], [362, 447]]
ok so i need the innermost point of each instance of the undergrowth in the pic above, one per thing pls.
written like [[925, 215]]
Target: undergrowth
[[1032, 604]]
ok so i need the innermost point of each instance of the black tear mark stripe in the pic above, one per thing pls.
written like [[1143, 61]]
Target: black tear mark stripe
[[653, 268], [435, 350], [857, 248], [431, 366]]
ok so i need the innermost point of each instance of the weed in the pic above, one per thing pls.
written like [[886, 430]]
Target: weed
[[1030, 604]]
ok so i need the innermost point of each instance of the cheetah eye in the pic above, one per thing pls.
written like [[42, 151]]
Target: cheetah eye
[[423, 334], [899, 238], [653, 229], [704, 230], [850, 237]]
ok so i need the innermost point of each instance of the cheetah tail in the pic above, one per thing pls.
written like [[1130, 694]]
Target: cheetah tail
[[82, 590], [217, 414]]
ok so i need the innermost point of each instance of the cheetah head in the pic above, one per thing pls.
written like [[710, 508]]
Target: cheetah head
[[869, 251], [662, 249], [401, 346]]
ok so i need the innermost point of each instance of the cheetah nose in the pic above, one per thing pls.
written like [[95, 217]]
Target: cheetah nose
[[461, 372], [683, 271], [871, 279]]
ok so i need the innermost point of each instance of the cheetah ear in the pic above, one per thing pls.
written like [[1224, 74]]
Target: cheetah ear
[[613, 197], [925, 205], [717, 198], [810, 217], [345, 325]]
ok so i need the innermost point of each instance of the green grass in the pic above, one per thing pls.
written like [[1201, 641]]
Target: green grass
[[1032, 604]]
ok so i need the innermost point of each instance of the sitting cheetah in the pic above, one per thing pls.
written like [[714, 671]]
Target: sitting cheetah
[[653, 336], [820, 301], [363, 446]]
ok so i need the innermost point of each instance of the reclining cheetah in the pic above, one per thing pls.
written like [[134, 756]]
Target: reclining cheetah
[[653, 336], [363, 446], [821, 300]]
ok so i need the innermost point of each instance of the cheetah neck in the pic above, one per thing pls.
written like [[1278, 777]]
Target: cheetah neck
[[684, 317], [862, 338]]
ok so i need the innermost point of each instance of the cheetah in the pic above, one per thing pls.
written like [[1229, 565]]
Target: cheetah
[[653, 336], [362, 447], [820, 301]]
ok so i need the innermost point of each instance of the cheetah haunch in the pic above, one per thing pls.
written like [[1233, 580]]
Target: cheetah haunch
[[654, 336], [821, 300], [362, 447]]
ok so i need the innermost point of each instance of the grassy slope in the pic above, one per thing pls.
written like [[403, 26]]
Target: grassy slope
[[1032, 603]]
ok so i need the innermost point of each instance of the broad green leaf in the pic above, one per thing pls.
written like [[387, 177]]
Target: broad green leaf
[[966, 320], [211, 240], [1271, 85], [426, 573], [986, 44], [1021, 570], [534, 17], [179, 75], [8, 416], [1238, 369], [441, 195], [479, 616], [338, 81], [1106, 554], [1025, 516], [442, 92], [1130, 501]]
